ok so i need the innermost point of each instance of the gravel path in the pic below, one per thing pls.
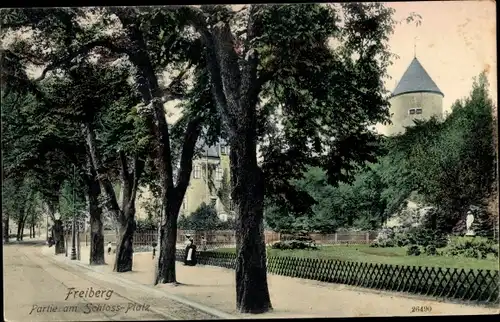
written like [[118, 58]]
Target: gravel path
[[39, 288]]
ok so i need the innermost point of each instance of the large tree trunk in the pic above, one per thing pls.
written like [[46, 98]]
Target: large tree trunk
[[124, 215], [151, 94], [168, 237], [58, 234], [96, 241], [22, 228], [252, 293], [124, 249], [235, 88], [19, 231], [6, 229], [96, 225]]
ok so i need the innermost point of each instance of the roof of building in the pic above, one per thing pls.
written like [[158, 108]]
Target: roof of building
[[211, 151], [416, 80]]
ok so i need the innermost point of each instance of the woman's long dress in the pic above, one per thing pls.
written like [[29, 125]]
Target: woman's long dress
[[190, 255]]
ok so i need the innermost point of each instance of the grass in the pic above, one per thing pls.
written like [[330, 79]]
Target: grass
[[389, 255]]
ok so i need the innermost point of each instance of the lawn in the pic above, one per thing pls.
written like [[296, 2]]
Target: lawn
[[389, 255]]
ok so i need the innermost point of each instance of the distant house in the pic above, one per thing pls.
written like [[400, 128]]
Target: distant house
[[209, 183]]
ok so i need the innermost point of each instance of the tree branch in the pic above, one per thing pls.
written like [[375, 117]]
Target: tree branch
[[198, 21], [168, 92], [124, 171], [139, 165], [84, 49], [101, 173], [191, 135]]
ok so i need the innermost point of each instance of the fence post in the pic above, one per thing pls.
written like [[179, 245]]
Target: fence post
[[335, 237], [367, 237]]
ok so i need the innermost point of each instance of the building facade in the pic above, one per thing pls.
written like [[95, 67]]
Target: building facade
[[416, 96], [209, 184]]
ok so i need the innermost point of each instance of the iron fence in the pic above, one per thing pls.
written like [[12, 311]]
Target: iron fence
[[480, 286], [227, 238]]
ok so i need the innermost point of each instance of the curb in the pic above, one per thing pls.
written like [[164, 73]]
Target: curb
[[205, 309]]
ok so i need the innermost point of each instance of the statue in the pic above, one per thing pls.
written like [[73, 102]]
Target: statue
[[469, 221]]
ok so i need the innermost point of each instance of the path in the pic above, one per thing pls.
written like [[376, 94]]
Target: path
[[40, 288]]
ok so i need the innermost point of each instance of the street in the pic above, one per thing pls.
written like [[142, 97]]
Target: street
[[40, 288]]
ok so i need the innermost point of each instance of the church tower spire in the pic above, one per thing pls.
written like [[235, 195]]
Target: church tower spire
[[416, 96]]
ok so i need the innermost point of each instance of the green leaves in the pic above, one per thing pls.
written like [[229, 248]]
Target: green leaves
[[204, 218]]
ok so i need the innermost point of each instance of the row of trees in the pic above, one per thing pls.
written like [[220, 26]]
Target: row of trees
[[447, 164], [297, 84], [25, 212]]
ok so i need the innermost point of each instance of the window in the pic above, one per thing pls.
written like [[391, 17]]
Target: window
[[213, 202], [197, 172], [218, 173], [418, 111], [411, 111], [184, 204], [223, 149], [231, 204]]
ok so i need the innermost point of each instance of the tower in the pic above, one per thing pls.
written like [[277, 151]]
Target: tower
[[416, 96]]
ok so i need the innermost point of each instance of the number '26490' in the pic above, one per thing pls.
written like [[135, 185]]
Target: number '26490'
[[417, 309]]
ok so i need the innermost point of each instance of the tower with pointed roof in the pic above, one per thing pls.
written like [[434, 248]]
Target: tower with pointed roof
[[416, 96]]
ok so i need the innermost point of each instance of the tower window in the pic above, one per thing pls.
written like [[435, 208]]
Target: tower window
[[411, 111], [418, 111], [197, 171], [223, 150]]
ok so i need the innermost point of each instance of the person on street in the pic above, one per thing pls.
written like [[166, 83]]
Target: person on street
[[51, 241], [190, 253], [203, 243]]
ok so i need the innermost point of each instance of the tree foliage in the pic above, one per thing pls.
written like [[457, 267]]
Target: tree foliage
[[449, 165]]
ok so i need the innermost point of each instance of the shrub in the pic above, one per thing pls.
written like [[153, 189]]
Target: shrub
[[430, 250], [145, 225], [402, 237], [413, 250], [384, 239], [293, 244], [472, 247]]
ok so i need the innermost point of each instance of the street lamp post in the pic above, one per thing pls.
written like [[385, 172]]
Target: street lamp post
[[66, 243], [57, 217], [73, 239], [78, 240]]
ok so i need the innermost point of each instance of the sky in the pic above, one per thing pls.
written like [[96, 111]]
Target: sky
[[455, 42]]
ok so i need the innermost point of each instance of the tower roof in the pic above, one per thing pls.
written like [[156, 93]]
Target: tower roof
[[416, 80]]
